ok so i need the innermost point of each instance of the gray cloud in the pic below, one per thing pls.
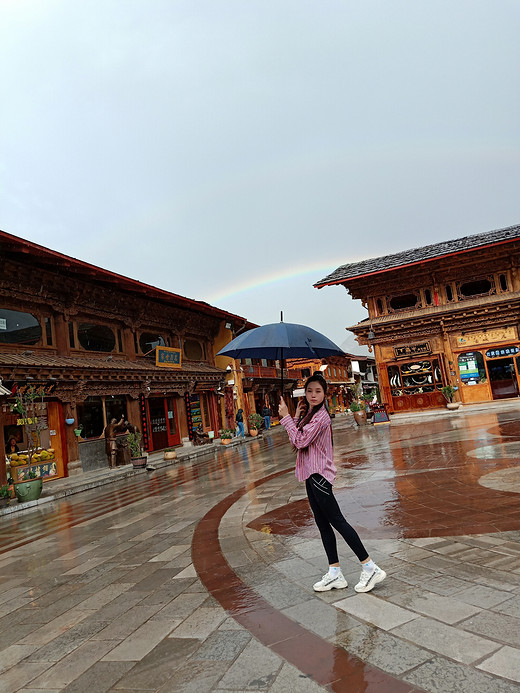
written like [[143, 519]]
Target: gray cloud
[[196, 145]]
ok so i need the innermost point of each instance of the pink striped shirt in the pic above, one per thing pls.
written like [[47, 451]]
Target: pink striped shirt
[[314, 444]]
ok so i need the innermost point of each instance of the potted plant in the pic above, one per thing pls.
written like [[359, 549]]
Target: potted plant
[[225, 435], [448, 391], [255, 422], [170, 454], [28, 485], [30, 489], [139, 458], [5, 494], [360, 416]]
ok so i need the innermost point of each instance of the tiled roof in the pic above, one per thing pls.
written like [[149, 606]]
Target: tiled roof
[[416, 255], [49, 361]]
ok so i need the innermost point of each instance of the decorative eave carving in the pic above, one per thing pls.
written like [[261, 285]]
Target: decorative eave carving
[[71, 296]]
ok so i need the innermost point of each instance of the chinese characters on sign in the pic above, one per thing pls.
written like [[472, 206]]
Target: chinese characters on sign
[[168, 357], [412, 350], [497, 335], [503, 351]]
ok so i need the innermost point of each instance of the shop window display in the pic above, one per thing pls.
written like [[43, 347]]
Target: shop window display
[[471, 368], [95, 412], [415, 377]]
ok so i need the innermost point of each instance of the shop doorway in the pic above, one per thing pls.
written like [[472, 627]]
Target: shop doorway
[[162, 415], [502, 378]]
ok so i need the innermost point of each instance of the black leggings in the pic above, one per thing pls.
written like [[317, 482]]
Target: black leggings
[[328, 515]]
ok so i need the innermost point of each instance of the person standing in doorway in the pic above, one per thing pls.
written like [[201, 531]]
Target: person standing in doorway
[[310, 432], [266, 413], [240, 423]]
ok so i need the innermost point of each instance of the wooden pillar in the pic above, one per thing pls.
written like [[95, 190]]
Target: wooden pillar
[[61, 329], [385, 391], [133, 412], [128, 345], [73, 461]]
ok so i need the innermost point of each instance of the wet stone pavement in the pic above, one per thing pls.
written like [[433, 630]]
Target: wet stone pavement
[[198, 577]]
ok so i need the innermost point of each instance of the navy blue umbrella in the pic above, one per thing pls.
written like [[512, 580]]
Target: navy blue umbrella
[[280, 341]]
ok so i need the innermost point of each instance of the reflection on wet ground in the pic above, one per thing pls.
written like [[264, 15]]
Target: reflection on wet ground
[[422, 486], [199, 577]]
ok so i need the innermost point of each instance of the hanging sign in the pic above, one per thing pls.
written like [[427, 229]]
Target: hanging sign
[[166, 357]]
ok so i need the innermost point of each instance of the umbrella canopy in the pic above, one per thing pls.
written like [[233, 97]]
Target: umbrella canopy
[[279, 341]]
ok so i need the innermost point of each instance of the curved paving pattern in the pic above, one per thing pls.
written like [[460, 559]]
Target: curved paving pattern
[[322, 661]]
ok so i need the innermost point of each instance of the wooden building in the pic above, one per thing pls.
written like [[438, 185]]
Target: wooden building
[[444, 314], [98, 346], [347, 377]]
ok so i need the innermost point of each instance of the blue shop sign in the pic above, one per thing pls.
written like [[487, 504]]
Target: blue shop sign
[[502, 351], [167, 357]]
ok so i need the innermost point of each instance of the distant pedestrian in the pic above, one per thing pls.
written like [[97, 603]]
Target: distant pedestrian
[[240, 423], [311, 434], [266, 413]]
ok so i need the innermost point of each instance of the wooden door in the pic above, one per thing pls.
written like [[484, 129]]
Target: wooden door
[[157, 415]]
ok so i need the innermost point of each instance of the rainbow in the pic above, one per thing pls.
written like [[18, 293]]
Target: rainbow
[[318, 269]]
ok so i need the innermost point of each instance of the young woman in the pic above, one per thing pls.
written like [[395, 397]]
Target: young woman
[[311, 434]]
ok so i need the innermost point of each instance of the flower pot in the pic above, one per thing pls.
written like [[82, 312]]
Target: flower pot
[[225, 441], [69, 421], [453, 405], [170, 455], [28, 490], [4, 502], [360, 418], [253, 432], [139, 462]]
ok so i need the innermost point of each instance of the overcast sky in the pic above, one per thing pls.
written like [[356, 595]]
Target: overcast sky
[[236, 151]]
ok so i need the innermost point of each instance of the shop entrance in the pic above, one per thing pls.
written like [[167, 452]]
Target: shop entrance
[[502, 378], [162, 415]]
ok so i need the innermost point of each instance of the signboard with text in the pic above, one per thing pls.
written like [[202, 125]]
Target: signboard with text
[[412, 350], [167, 357], [500, 334]]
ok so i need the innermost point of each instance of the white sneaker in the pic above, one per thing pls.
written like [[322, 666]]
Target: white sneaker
[[328, 582], [369, 580]]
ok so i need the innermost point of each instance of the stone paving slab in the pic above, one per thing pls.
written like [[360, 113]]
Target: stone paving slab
[[446, 640], [505, 662]]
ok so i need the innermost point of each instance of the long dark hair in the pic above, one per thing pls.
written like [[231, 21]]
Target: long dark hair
[[315, 378]]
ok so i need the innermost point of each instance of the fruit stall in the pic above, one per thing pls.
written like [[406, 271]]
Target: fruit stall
[[43, 464]]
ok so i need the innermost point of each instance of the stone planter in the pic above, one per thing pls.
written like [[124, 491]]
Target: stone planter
[[453, 406], [28, 490], [170, 455]]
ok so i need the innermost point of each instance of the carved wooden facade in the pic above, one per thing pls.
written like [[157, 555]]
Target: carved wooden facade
[[88, 330], [446, 314]]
